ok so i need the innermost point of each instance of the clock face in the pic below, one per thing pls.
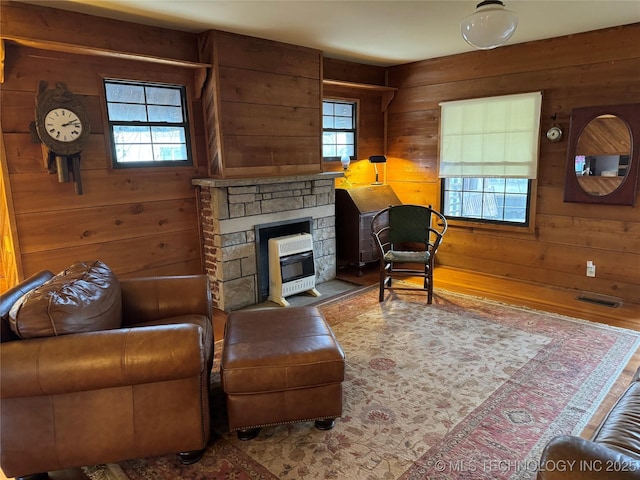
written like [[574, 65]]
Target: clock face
[[62, 125]]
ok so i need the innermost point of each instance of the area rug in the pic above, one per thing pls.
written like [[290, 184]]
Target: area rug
[[462, 388]]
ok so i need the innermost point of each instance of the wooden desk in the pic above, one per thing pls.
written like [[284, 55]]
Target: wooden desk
[[355, 208]]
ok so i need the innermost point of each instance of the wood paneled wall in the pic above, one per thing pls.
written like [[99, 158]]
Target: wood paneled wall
[[595, 68], [263, 106], [140, 221]]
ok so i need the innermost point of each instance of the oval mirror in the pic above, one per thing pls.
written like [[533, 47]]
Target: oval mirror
[[602, 155]]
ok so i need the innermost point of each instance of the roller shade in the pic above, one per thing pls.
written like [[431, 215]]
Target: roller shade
[[490, 137]]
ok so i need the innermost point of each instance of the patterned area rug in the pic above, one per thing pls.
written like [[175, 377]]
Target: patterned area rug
[[464, 388]]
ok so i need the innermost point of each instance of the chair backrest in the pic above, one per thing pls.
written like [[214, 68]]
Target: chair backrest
[[410, 224]]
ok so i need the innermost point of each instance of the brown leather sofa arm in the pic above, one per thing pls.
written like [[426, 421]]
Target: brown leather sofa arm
[[11, 296], [96, 360], [155, 298], [570, 457]]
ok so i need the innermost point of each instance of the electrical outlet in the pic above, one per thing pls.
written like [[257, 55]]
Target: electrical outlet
[[591, 269]]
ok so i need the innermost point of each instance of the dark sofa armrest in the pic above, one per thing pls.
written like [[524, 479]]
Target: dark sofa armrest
[[154, 298], [570, 457], [105, 359]]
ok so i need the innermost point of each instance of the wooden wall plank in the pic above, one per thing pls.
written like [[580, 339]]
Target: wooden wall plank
[[41, 192], [577, 283], [346, 71], [58, 229], [266, 88], [250, 119], [28, 157], [263, 55], [580, 49], [211, 106], [550, 202], [562, 87], [266, 150], [187, 267], [613, 265], [128, 256], [272, 170], [562, 230]]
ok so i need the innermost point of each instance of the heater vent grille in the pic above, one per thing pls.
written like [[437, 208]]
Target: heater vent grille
[[611, 303], [294, 244]]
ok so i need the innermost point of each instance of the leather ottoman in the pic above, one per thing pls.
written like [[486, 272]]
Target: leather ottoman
[[281, 366]]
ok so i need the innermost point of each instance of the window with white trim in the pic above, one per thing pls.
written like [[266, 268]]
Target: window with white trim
[[489, 157], [338, 129], [148, 124]]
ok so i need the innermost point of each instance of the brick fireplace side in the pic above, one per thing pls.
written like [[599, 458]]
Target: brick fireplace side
[[230, 209]]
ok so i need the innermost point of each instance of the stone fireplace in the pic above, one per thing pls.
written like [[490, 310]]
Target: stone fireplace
[[232, 214]]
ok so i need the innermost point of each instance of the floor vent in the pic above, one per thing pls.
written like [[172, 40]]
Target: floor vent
[[600, 301]]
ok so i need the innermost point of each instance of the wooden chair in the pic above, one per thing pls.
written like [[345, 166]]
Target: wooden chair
[[408, 237]]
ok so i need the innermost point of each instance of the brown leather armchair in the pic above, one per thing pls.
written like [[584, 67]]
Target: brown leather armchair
[[136, 391]]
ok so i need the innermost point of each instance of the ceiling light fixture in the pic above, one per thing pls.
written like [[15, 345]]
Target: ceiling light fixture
[[490, 26]]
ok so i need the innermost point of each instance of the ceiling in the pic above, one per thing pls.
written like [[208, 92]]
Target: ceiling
[[376, 32]]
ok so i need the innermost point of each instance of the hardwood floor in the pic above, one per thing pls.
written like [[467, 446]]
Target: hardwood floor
[[509, 291]]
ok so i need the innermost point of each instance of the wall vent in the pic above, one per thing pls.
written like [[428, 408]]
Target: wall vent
[[605, 302]]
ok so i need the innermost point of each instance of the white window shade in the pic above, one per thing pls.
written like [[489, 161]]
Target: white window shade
[[490, 137]]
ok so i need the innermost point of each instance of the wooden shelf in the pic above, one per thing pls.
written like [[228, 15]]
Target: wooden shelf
[[359, 86], [101, 52], [387, 93]]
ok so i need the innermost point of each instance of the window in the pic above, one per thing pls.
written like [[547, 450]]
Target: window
[[148, 124], [338, 129], [489, 157], [503, 200]]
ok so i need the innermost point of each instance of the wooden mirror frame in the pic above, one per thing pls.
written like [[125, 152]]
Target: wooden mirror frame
[[625, 194]]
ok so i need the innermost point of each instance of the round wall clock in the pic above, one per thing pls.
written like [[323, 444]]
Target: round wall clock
[[61, 120], [63, 125], [554, 134]]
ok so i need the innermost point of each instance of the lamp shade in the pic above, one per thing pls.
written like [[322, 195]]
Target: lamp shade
[[490, 26], [378, 159]]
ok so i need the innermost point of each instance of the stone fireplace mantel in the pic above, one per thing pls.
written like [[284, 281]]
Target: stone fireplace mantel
[[230, 210]]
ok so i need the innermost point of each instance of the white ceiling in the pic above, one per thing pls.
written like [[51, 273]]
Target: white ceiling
[[376, 32]]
